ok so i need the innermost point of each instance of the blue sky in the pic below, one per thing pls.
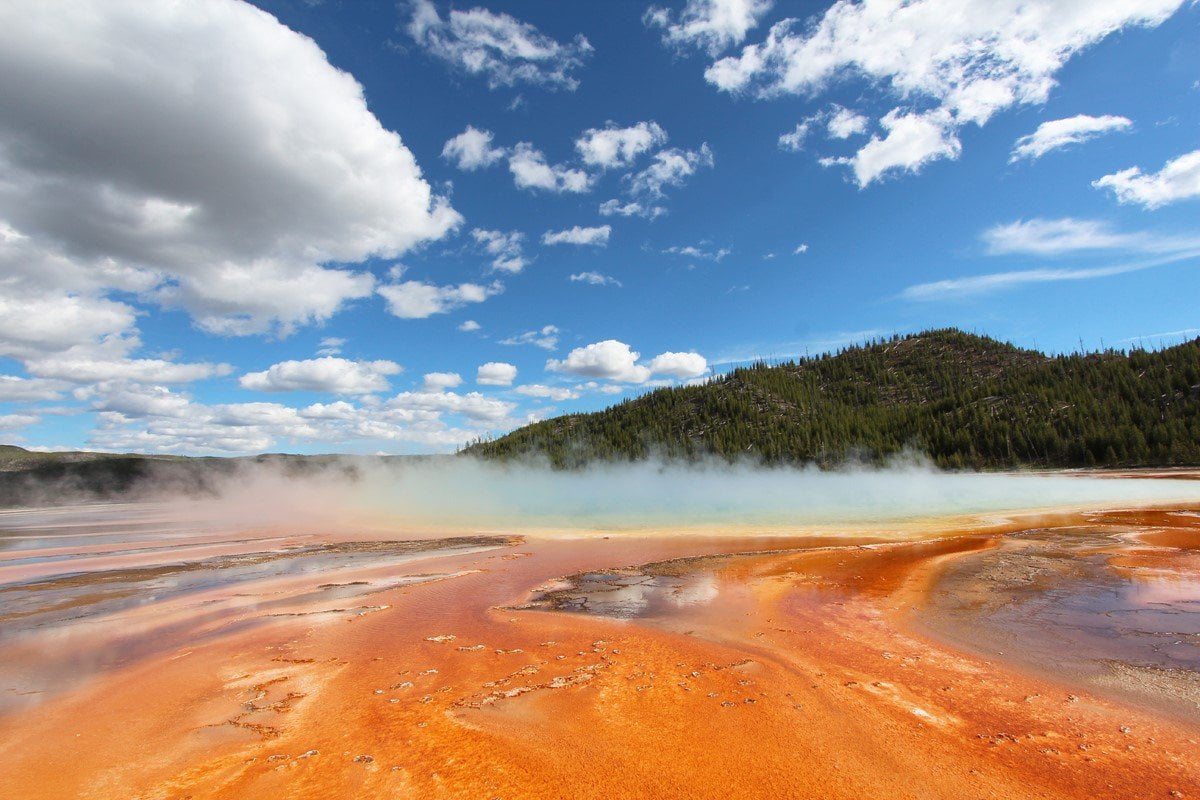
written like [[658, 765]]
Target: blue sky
[[380, 227]]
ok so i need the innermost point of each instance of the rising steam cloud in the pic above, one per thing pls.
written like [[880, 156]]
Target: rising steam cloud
[[467, 495]]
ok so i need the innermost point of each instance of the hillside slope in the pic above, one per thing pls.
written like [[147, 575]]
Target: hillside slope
[[964, 400]]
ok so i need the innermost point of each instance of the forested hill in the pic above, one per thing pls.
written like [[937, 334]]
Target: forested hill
[[965, 400]]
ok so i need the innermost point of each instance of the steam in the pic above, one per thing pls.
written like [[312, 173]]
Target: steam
[[466, 495]]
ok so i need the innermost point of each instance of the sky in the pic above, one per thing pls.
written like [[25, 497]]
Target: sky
[[377, 227]]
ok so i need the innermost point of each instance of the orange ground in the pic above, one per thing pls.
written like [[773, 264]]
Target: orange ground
[[802, 675]]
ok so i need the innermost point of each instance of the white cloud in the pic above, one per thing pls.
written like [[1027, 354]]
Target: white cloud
[[670, 167], [793, 140], [1059, 237], [556, 393], [136, 401], [615, 361], [912, 141], [437, 381], [530, 171], [472, 404], [545, 338], [597, 236], [844, 123], [693, 251], [233, 222], [1055, 236], [505, 248], [419, 299], [498, 46], [1179, 179], [495, 373], [839, 123], [154, 419], [612, 146], [1063, 132], [996, 281], [29, 390], [327, 374], [595, 279], [12, 422], [801, 249], [36, 323], [87, 368], [472, 149], [679, 365], [606, 360], [971, 58], [467, 326], [331, 346], [614, 207], [712, 25]]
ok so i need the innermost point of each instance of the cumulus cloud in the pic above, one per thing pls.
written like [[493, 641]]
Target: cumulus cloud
[[472, 149], [14, 389], [606, 360], [472, 405], [495, 373], [793, 140], [844, 123], [613, 146], [12, 422], [420, 299], [679, 365], [595, 279], [437, 381], [233, 223], [597, 236], [151, 418], [1179, 179], [615, 207], [89, 370], [1058, 133], [801, 249], [912, 141], [556, 393], [505, 248], [970, 58], [530, 171], [133, 400], [36, 323], [546, 338], [615, 361], [711, 25], [469, 325], [497, 46], [839, 123], [327, 374], [670, 167]]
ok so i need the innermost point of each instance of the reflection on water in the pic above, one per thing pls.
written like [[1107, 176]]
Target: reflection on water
[[76, 596], [1096, 603], [106, 593], [628, 594], [1110, 604]]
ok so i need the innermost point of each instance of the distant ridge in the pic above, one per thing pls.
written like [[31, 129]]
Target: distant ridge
[[963, 400]]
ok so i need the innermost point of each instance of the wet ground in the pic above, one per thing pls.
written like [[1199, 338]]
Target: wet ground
[[1037, 655]]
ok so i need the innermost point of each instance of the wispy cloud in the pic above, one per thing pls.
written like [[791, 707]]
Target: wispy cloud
[[997, 281], [1058, 238], [794, 349]]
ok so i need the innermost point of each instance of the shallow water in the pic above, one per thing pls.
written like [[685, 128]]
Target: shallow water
[[361, 658]]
